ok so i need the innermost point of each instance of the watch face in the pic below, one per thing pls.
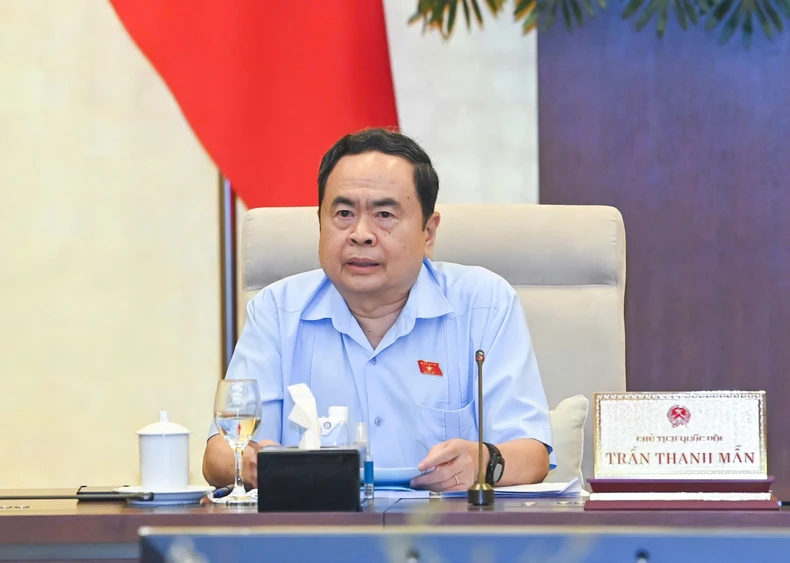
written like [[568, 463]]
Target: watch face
[[498, 469]]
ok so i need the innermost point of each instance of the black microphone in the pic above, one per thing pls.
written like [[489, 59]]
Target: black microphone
[[481, 493]]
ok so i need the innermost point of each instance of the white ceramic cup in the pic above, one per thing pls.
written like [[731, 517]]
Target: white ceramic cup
[[164, 456]]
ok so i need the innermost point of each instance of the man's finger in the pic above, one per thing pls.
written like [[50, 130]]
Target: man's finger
[[250, 469], [455, 482], [438, 475], [262, 444], [451, 485], [439, 454]]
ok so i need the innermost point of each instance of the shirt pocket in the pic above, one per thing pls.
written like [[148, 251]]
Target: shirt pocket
[[438, 425]]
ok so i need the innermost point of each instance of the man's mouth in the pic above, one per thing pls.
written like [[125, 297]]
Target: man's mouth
[[362, 263]]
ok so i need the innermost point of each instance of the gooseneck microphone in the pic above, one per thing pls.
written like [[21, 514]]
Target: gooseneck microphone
[[481, 493]]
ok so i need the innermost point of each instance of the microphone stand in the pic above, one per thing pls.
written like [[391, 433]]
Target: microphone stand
[[481, 493]]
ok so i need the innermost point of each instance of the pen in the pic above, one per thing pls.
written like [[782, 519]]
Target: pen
[[222, 492]]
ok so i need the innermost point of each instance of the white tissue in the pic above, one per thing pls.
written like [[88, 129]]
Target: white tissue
[[305, 414]]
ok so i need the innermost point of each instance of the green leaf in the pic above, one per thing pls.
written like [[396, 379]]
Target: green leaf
[[466, 13], [784, 6], [588, 7], [602, 4], [478, 15], [709, 4], [764, 23], [645, 16], [577, 12], [705, 6], [566, 14], [451, 17], [551, 16], [423, 6], [773, 14], [531, 20], [522, 7], [494, 6], [631, 8], [748, 29], [437, 14], [680, 14], [684, 10], [689, 9], [730, 27], [663, 18], [717, 15]]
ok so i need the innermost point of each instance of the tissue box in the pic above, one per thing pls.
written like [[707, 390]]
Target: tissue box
[[294, 480]]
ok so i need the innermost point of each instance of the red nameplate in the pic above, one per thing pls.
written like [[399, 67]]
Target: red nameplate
[[429, 368]]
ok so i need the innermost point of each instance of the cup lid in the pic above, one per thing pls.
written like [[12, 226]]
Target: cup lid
[[163, 427]]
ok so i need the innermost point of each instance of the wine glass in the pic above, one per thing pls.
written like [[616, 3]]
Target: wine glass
[[237, 414]]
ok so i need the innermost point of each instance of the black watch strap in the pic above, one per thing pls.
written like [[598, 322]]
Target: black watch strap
[[496, 464]]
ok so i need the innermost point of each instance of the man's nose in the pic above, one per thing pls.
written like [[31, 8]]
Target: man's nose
[[362, 234]]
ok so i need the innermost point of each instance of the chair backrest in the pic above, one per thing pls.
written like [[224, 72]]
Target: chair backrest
[[566, 262]]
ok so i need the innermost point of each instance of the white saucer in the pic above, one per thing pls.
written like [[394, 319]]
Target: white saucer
[[188, 495], [252, 493]]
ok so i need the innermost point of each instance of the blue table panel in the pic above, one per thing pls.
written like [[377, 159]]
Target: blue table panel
[[457, 545]]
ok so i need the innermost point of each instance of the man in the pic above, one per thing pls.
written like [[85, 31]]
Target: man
[[385, 331]]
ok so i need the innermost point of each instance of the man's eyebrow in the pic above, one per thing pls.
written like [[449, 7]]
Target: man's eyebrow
[[341, 200], [385, 202]]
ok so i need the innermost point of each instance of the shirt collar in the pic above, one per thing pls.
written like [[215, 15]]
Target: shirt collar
[[426, 301]]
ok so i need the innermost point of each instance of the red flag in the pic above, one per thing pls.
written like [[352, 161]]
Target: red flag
[[429, 368], [268, 86]]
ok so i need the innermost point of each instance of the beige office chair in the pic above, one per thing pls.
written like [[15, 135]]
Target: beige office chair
[[567, 264]]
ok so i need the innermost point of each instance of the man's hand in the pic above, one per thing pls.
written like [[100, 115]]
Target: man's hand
[[452, 466], [249, 467]]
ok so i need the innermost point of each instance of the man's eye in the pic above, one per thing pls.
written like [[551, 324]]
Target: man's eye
[[344, 213], [385, 214]]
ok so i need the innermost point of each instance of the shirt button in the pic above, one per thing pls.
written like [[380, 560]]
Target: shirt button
[[374, 361], [378, 421]]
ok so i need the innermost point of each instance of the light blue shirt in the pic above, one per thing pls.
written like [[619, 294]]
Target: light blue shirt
[[300, 330]]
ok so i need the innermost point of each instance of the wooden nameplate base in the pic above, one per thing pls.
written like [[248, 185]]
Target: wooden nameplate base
[[681, 494]]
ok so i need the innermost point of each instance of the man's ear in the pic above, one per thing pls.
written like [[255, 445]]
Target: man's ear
[[430, 232]]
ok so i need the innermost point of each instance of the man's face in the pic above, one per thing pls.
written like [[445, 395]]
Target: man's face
[[372, 238]]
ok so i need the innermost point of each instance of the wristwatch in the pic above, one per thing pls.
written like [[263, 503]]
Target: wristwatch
[[496, 465]]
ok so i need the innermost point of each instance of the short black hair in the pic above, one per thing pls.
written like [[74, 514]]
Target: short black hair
[[387, 141]]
